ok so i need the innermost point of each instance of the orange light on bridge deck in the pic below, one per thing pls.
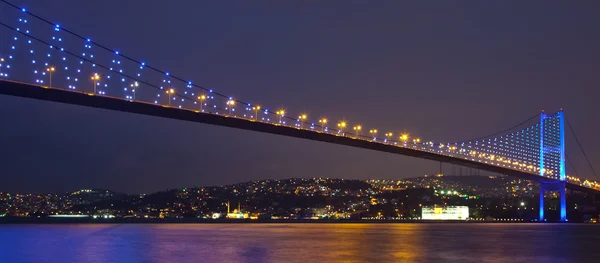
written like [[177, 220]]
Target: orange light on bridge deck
[[357, 129], [302, 118], [342, 125], [201, 99], [404, 137], [281, 113], [169, 93], [50, 70], [323, 122], [230, 103], [134, 86], [388, 135], [373, 132], [95, 79], [256, 109]]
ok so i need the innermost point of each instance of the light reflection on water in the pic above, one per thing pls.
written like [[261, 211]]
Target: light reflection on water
[[300, 243]]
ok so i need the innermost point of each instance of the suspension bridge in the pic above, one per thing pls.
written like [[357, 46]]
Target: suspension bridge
[[46, 61]]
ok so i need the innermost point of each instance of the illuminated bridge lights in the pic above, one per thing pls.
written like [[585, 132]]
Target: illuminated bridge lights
[[537, 149]]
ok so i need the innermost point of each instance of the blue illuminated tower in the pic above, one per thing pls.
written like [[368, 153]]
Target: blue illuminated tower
[[552, 159]]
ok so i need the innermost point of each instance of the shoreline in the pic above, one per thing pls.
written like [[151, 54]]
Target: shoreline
[[35, 220]]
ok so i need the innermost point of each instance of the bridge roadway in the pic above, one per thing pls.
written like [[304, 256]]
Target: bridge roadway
[[26, 90]]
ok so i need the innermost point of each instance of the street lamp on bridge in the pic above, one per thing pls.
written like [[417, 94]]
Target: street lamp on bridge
[[323, 122], [357, 130], [373, 132], [388, 136], [201, 99], [133, 88], [404, 137], [170, 93], [281, 113], [230, 103], [256, 109], [50, 70], [341, 126], [95, 79], [302, 118]]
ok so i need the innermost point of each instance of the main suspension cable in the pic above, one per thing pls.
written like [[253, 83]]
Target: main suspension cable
[[582, 150]]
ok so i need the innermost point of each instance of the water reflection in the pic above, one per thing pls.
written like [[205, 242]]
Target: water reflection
[[300, 243]]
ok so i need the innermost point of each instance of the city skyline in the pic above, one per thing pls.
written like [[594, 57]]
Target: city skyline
[[114, 149], [501, 197]]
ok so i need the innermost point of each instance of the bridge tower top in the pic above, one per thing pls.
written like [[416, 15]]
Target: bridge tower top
[[552, 144]]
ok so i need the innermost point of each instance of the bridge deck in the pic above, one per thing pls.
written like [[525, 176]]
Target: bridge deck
[[83, 99]]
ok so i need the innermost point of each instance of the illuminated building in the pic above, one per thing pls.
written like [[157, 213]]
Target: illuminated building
[[69, 216], [445, 213], [237, 213]]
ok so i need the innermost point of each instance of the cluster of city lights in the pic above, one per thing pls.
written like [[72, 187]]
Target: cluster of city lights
[[518, 150]]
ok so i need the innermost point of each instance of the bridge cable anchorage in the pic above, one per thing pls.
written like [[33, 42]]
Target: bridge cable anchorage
[[500, 132], [132, 59], [582, 151]]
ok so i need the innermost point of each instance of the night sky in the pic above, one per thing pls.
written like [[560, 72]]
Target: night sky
[[435, 69]]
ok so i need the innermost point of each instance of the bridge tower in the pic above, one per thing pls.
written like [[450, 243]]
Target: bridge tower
[[552, 159]]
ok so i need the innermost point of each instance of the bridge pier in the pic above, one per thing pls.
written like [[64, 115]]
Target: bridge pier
[[561, 188]]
